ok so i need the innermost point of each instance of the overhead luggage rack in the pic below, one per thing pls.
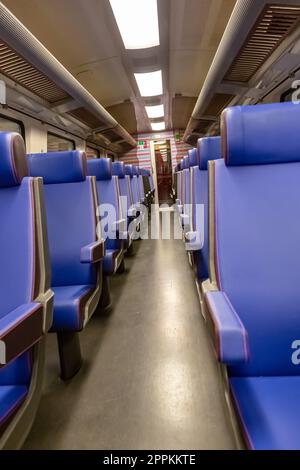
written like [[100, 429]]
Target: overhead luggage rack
[[274, 24], [25, 60], [22, 72]]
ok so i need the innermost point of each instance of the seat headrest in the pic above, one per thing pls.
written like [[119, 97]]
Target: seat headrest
[[186, 162], [118, 169], [13, 162], [261, 134], [59, 167], [129, 170], [100, 167], [193, 157], [209, 148], [135, 170]]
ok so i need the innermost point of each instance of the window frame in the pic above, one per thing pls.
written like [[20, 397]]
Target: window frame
[[17, 121], [286, 93], [96, 149], [61, 137]]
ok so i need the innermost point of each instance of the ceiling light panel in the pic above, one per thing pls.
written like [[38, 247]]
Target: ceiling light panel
[[155, 111], [150, 84], [137, 21], [158, 126]]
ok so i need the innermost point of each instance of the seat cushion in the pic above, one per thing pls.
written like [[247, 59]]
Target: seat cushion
[[269, 409], [11, 398], [110, 260], [18, 371], [69, 307]]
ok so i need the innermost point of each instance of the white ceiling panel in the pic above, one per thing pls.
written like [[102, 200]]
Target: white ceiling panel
[[188, 70], [196, 30]]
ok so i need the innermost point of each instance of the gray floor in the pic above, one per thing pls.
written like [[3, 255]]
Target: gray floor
[[150, 379]]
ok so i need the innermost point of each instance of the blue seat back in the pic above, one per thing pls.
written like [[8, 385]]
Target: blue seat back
[[71, 203], [187, 183], [17, 235], [108, 193], [128, 176], [257, 231], [135, 185], [141, 185], [118, 170], [208, 148], [18, 248]]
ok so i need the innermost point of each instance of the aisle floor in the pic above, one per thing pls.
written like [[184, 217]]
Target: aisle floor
[[150, 379]]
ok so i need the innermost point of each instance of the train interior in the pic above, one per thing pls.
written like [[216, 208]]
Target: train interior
[[149, 244]]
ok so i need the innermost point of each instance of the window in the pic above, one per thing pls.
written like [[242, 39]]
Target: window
[[111, 155], [92, 152], [55, 143], [8, 124], [292, 94], [287, 95]]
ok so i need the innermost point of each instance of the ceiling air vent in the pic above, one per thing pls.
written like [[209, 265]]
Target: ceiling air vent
[[274, 24], [13, 66]]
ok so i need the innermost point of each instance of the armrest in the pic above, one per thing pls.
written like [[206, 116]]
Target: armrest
[[93, 252], [230, 335], [19, 330], [193, 241]]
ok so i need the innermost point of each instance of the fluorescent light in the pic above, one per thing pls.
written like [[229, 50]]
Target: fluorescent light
[[158, 126], [137, 21], [150, 84], [155, 111]]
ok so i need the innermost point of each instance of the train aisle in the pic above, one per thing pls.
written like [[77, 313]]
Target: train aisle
[[150, 378]]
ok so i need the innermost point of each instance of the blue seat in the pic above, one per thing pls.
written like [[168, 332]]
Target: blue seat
[[179, 188], [208, 148], [133, 194], [253, 299], [134, 205], [186, 194], [112, 223], [75, 249], [141, 186], [175, 182], [128, 212], [25, 297], [132, 171]]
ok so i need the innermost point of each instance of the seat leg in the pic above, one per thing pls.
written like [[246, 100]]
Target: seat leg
[[105, 299], [121, 269], [69, 354], [130, 250]]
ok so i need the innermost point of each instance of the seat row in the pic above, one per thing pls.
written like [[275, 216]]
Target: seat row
[[247, 260], [66, 226]]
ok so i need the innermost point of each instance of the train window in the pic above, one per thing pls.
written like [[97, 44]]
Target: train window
[[56, 143], [92, 152], [287, 95], [111, 155], [8, 124], [292, 94]]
